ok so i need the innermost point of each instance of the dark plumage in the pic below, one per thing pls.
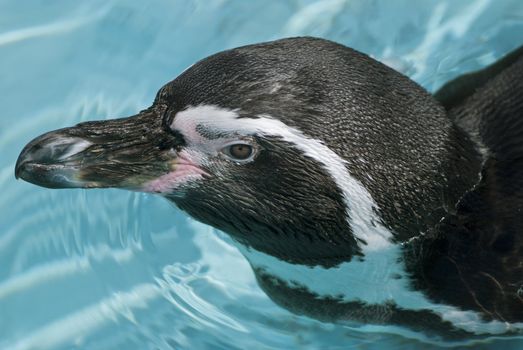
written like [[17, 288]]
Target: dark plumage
[[334, 134]]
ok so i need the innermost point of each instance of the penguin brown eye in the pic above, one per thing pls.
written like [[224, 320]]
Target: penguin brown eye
[[239, 151]]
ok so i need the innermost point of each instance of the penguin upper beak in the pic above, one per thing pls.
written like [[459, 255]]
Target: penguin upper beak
[[123, 153]]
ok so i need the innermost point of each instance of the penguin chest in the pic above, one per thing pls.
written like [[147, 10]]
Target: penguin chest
[[377, 278], [374, 289]]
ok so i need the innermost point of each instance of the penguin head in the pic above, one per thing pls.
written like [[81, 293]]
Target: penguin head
[[248, 141], [262, 182]]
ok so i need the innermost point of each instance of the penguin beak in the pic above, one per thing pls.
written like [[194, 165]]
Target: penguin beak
[[123, 153]]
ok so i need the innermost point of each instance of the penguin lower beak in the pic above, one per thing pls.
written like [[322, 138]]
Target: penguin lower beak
[[122, 153]]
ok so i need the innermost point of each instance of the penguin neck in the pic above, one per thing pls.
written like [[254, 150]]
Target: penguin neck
[[410, 208], [377, 277], [301, 248]]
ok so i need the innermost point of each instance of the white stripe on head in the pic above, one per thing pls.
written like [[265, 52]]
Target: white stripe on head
[[360, 207]]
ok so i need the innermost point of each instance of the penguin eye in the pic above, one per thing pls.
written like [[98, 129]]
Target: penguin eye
[[239, 151]]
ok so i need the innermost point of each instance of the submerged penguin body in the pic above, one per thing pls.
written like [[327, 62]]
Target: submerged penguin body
[[354, 194]]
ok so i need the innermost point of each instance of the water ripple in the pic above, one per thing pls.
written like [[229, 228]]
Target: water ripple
[[57, 27], [116, 270]]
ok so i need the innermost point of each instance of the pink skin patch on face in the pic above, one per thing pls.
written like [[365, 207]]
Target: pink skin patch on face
[[185, 171]]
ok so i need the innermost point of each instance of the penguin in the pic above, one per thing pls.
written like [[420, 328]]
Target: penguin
[[355, 195]]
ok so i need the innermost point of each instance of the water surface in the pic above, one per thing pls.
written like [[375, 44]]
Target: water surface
[[109, 269]]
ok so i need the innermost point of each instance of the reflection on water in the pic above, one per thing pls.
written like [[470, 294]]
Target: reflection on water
[[117, 270]]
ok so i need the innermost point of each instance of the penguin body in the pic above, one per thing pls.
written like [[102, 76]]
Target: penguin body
[[354, 194]]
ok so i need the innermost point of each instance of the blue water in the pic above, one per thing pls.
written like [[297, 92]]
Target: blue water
[[109, 269]]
